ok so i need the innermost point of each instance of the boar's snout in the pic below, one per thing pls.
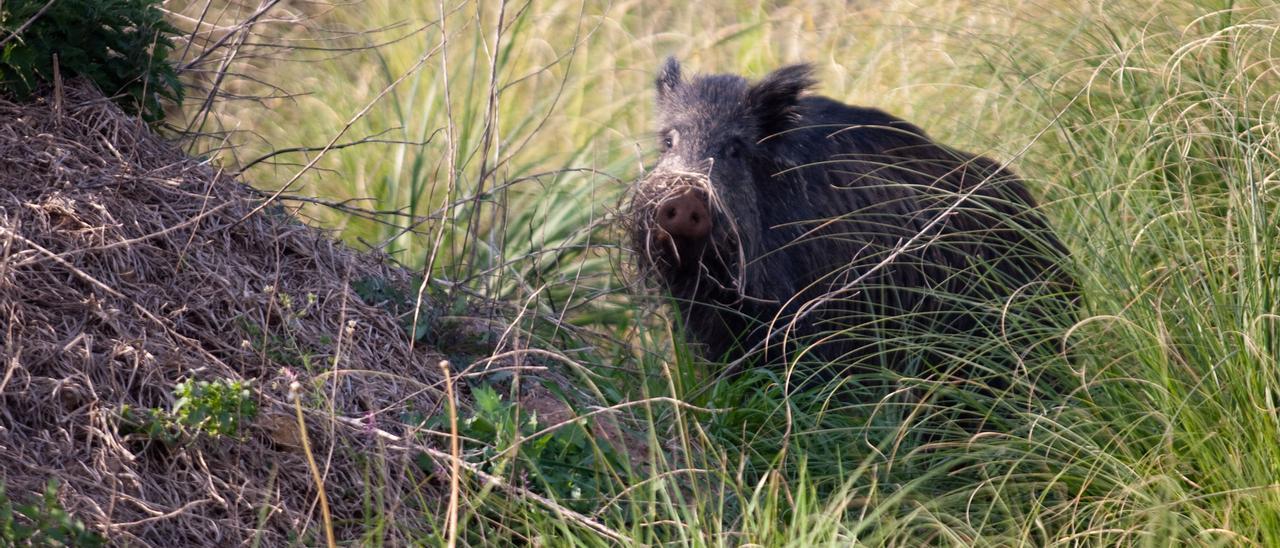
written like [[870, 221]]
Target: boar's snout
[[685, 216], [673, 220]]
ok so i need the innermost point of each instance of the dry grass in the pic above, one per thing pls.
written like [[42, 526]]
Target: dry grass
[[126, 267]]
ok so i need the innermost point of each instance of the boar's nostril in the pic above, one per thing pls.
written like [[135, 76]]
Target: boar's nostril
[[685, 216]]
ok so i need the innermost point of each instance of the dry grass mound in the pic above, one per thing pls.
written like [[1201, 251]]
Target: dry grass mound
[[127, 267]]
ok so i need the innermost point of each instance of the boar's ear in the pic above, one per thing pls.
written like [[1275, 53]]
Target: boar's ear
[[773, 99], [668, 78]]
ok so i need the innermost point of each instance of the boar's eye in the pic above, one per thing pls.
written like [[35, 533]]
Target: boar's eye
[[669, 140], [733, 148]]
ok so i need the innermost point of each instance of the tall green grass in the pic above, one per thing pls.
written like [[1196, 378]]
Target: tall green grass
[[1166, 140], [1151, 131]]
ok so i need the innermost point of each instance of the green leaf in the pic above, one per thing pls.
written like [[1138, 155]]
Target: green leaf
[[120, 45], [487, 399]]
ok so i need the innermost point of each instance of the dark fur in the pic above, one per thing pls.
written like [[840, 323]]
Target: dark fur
[[822, 195]]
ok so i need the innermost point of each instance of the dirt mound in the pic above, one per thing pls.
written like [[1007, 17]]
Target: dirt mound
[[127, 267]]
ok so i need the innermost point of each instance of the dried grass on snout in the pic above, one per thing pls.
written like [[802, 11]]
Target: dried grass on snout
[[127, 266], [647, 195]]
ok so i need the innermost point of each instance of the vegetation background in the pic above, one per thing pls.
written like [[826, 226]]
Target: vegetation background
[[489, 144]]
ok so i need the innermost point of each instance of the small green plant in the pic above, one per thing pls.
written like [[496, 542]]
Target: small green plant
[[152, 423], [279, 343], [120, 45], [565, 464], [42, 523], [216, 408]]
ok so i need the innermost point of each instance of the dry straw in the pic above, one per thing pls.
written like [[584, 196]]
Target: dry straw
[[123, 270]]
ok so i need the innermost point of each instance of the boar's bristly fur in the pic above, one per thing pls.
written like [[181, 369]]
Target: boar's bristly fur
[[782, 220]]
